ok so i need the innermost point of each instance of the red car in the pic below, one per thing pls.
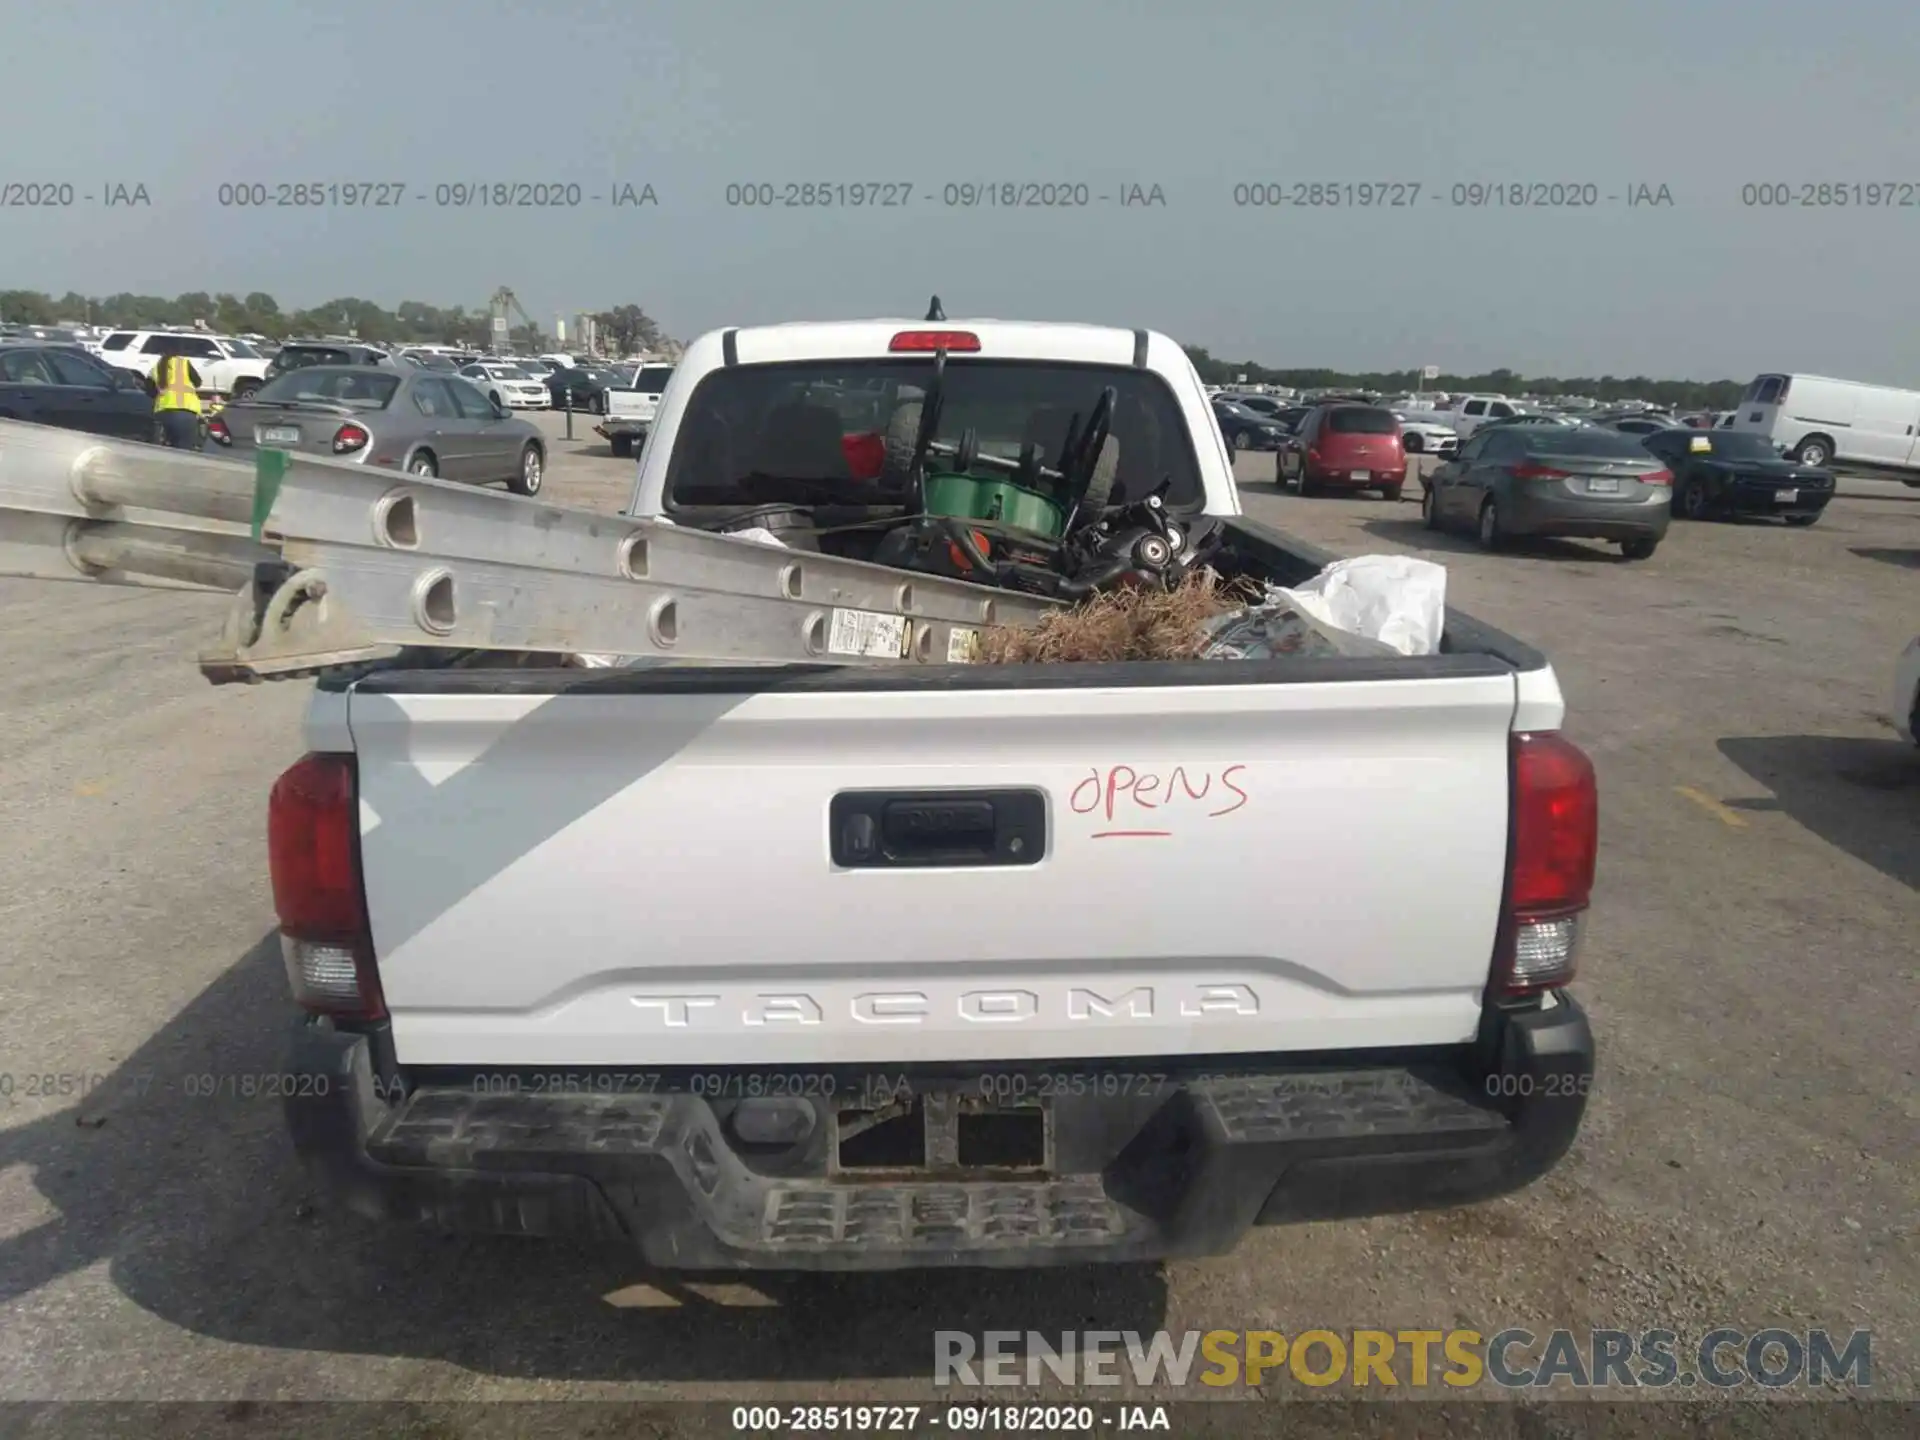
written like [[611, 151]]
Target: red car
[[1349, 447]]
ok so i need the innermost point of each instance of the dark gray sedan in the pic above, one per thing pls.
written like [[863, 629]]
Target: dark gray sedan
[[1587, 483], [418, 421]]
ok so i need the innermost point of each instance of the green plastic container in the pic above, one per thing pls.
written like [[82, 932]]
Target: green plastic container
[[995, 501]]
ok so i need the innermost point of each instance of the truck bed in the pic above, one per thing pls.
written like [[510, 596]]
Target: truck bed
[[655, 866]]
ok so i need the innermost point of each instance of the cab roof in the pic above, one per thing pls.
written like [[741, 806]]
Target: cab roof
[[870, 339]]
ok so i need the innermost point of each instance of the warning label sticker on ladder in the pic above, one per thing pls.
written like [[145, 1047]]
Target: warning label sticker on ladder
[[868, 633], [963, 647]]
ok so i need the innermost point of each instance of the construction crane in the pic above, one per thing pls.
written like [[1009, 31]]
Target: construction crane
[[505, 305]]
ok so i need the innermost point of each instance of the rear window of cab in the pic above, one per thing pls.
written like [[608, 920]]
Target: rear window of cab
[[812, 432]]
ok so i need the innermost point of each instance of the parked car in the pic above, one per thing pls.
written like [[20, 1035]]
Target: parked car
[[1547, 418], [1247, 429], [1589, 483], [227, 366], [1267, 405], [1638, 422], [1906, 694], [1469, 412], [1425, 437], [63, 385], [585, 386], [509, 384], [1349, 447], [398, 419], [632, 404], [430, 360], [1739, 472], [297, 354]]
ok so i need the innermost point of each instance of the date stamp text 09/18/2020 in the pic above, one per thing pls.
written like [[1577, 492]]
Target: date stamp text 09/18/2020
[[982, 194]]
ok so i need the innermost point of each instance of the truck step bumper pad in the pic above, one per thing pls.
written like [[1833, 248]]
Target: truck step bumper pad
[[1185, 1171], [974, 1216]]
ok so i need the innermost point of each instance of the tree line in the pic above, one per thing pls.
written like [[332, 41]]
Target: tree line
[[1676, 394], [626, 328]]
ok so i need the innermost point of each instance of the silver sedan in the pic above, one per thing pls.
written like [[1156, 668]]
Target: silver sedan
[[418, 421]]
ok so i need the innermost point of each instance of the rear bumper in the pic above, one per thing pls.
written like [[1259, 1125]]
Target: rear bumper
[[1762, 500], [1181, 1168], [1342, 479], [1527, 512]]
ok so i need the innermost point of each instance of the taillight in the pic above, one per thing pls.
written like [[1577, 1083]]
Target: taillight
[[1556, 835], [1657, 477], [927, 341], [217, 428], [1537, 472], [1313, 455], [313, 854], [348, 438]]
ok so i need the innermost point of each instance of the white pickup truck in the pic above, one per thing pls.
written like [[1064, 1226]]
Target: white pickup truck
[[631, 407], [823, 967]]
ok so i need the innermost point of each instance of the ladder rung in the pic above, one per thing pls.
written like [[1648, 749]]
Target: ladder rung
[[369, 597]]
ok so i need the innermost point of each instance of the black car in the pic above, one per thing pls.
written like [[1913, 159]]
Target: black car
[[298, 354], [1719, 473], [1247, 429], [1265, 405], [1637, 422], [586, 385], [63, 385]]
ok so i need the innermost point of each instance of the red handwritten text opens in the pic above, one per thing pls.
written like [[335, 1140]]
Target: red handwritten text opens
[[1145, 803]]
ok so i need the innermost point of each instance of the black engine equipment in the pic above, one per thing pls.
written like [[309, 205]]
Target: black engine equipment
[[1025, 525]]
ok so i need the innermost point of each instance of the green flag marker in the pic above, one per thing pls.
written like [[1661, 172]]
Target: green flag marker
[[269, 469]]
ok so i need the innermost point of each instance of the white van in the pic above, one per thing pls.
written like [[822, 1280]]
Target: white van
[[1818, 420]]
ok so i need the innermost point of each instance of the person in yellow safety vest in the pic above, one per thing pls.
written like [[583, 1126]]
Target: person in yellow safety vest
[[176, 402]]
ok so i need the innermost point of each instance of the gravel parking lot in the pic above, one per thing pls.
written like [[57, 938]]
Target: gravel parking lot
[[1749, 1156]]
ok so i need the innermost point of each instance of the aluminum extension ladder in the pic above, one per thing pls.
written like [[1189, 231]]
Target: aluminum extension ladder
[[332, 563]]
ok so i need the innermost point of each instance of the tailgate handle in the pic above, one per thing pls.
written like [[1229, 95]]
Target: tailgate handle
[[904, 829]]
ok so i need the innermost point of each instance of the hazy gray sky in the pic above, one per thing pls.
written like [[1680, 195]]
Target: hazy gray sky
[[1704, 96]]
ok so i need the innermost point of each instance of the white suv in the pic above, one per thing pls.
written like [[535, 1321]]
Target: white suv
[[227, 366]]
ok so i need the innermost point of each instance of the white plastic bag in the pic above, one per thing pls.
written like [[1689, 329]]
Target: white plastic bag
[[1396, 599]]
